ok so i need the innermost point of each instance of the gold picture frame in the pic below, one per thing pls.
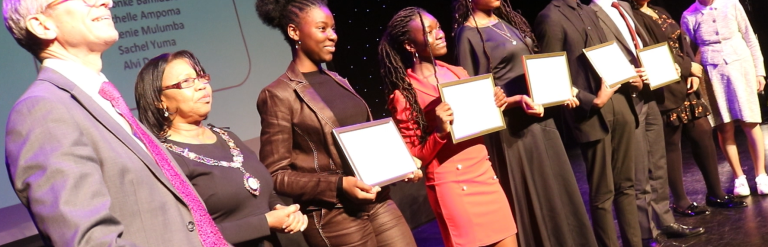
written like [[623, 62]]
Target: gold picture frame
[[655, 63], [466, 111], [597, 65], [375, 152], [531, 87]]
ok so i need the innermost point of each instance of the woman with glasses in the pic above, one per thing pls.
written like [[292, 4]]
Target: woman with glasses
[[173, 96], [298, 112]]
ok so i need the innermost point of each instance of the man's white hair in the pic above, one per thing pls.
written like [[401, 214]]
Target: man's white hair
[[15, 13]]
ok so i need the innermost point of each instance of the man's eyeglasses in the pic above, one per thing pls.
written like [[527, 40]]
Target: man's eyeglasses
[[189, 82], [89, 3]]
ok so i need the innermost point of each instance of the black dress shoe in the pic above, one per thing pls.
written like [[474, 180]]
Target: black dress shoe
[[690, 211], [660, 242], [729, 201], [675, 230]]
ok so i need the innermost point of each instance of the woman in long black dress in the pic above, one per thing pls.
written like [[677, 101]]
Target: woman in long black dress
[[684, 113], [173, 97], [531, 160]]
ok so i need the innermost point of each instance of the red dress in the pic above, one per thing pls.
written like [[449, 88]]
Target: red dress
[[464, 193]]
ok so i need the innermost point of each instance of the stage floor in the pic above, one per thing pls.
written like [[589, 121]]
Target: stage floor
[[744, 227]]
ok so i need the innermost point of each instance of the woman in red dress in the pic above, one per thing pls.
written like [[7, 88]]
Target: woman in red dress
[[465, 194]]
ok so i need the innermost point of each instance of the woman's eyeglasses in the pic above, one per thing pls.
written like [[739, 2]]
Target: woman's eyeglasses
[[189, 82]]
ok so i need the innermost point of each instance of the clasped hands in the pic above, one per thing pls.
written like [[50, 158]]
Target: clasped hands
[[287, 219]]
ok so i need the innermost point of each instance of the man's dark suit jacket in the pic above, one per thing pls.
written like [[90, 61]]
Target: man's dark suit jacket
[[613, 33], [566, 25]]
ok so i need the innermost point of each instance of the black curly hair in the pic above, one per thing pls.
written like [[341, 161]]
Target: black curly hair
[[278, 14]]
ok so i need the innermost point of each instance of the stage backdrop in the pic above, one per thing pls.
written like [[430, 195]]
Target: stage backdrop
[[241, 54]]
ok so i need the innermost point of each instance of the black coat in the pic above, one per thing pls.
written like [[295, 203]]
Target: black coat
[[566, 25], [613, 33]]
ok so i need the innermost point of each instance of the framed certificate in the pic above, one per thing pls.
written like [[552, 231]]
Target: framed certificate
[[610, 63], [659, 64], [474, 109], [549, 79], [376, 152]]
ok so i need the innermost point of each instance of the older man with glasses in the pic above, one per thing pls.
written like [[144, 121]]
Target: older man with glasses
[[87, 171]]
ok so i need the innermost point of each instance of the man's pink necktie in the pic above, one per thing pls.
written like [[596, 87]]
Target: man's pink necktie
[[206, 229]]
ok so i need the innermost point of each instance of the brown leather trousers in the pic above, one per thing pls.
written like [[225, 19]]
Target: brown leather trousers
[[377, 224]]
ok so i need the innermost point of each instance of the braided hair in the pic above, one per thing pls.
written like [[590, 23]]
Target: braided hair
[[463, 11], [278, 14], [395, 60]]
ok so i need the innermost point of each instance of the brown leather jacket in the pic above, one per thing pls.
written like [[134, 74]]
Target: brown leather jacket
[[297, 144]]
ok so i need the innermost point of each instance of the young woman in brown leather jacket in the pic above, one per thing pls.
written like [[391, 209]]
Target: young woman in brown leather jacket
[[298, 112]]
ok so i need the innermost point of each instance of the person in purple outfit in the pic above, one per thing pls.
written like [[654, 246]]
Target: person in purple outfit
[[732, 59]]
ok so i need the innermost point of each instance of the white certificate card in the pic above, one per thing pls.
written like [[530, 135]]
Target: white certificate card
[[474, 109], [549, 80], [659, 64], [610, 63], [376, 152]]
